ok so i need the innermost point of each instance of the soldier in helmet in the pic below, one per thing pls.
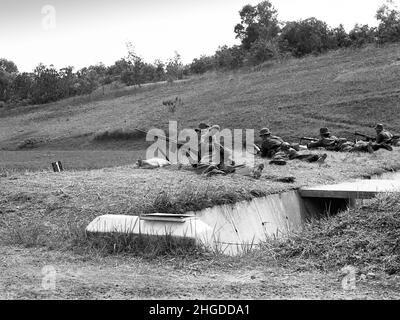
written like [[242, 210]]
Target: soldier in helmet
[[332, 143], [383, 138], [270, 144], [326, 140], [287, 152]]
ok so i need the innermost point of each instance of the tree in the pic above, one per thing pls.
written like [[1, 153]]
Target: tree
[[202, 64], [22, 86], [340, 37], [46, 86], [257, 22], [361, 35], [389, 26], [8, 71], [229, 58], [305, 37], [263, 50], [160, 70], [8, 66], [133, 75], [5, 85], [87, 80], [174, 68]]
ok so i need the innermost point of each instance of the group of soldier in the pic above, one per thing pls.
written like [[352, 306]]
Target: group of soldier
[[212, 158], [280, 152]]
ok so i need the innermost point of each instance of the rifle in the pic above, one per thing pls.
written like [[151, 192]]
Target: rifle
[[367, 138], [308, 139]]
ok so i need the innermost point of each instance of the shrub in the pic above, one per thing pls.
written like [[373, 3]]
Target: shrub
[[202, 65], [263, 50], [305, 37], [340, 38], [229, 58], [361, 35]]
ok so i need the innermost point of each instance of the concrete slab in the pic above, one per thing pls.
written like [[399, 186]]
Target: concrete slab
[[187, 228], [362, 189], [244, 225]]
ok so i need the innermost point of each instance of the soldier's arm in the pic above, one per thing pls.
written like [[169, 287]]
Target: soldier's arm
[[263, 151], [315, 144], [383, 137]]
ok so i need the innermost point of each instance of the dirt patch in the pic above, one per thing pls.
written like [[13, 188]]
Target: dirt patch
[[26, 274]]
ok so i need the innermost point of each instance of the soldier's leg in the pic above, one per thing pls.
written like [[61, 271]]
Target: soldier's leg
[[377, 146], [307, 157], [279, 159], [362, 146]]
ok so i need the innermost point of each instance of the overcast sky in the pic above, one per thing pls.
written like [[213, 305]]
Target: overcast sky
[[91, 31]]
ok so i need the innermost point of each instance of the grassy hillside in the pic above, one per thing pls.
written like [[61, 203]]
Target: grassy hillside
[[344, 90]]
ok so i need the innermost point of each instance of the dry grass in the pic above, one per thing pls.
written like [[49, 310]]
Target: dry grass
[[60, 205], [365, 237], [39, 160]]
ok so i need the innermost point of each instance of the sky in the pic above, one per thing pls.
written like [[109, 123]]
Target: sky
[[80, 33]]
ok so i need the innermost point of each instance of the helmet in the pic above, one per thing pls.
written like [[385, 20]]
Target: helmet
[[265, 132], [324, 131]]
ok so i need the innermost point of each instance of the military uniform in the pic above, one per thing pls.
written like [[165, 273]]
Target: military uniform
[[326, 140], [286, 152], [323, 142], [384, 137], [270, 146]]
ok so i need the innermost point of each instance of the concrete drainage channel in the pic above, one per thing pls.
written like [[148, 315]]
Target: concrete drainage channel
[[234, 229]]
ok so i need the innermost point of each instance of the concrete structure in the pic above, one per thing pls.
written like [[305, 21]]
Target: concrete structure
[[242, 226], [233, 229], [362, 189], [229, 229], [158, 224]]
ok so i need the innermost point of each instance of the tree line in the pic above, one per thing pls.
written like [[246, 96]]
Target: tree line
[[263, 37], [47, 84]]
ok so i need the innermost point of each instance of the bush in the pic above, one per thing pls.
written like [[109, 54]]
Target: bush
[[340, 38], [263, 50], [305, 37], [229, 58], [202, 65], [362, 35]]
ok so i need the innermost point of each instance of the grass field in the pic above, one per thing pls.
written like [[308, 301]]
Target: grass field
[[37, 160], [345, 90], [43, 214]]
